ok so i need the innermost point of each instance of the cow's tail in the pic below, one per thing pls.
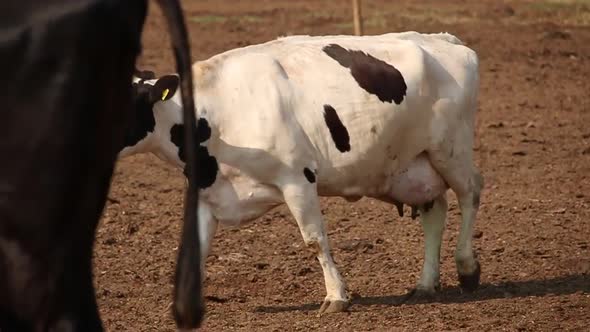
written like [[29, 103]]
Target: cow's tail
[[188, 305]]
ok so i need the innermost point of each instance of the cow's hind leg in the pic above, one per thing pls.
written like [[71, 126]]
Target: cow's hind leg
[[468, 267], [433, 223], [303, 202], [455, 164]]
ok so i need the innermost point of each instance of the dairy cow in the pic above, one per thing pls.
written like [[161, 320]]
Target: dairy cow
[[389, 117], [65, 96]]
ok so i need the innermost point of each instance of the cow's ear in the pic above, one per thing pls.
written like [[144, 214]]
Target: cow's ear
[[165, 88]]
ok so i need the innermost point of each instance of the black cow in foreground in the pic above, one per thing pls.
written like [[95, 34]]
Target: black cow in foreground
[[65, 97]]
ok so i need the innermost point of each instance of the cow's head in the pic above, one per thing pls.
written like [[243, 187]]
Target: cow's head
[[157, 125], [157, 109]]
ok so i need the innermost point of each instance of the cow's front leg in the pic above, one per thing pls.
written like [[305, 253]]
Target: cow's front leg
[[207, 228], [303, 202]]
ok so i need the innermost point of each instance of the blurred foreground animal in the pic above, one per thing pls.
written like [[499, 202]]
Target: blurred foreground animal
[[65, 95]]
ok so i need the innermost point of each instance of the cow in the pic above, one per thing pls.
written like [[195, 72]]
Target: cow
[[390, 117], [66, 99]]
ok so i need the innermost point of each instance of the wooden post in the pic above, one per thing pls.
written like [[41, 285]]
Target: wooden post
[[357, 17]]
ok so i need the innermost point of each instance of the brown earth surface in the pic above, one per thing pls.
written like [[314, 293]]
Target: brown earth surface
[[533, 228]]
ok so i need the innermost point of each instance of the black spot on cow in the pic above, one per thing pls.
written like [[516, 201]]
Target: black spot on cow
[[203, 130], [144, 97], [338, 131], [207, 164], [373, 75], [177, 137], [206, 168], [309, 175], [202, 134]]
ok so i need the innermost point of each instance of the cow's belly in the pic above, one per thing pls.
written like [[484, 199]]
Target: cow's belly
[[236, 199], [416, 184]]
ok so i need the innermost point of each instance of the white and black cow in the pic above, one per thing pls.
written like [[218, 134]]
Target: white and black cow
[[65, 96], [389, 117]]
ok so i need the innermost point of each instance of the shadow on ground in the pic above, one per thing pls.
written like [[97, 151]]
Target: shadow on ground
[[563, 285]]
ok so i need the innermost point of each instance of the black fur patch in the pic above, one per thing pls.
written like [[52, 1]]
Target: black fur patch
[[309, 175], [337, 129], [202, 133], [373, 75], [177, 137], [207, 164]]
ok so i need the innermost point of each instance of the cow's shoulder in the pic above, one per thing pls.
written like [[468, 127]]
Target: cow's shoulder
[[231, 69], [204, 73]]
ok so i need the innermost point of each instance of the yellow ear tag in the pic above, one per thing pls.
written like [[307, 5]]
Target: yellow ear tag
[[165, 93]]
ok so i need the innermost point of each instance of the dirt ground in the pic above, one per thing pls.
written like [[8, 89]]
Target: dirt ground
[[533, 228]]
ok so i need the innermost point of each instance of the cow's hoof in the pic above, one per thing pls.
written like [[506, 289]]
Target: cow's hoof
[[470, 282], [329, 307], [420, 295]]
